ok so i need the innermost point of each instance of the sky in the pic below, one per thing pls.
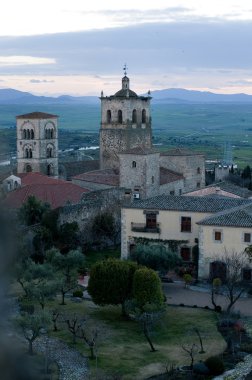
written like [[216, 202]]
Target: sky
[[79, 47]]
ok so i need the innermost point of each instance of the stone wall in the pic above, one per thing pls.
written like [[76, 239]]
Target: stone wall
[[172, 188], [93, 204], [192, 166]]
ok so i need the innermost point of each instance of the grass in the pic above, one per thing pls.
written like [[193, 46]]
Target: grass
[[123, 350]]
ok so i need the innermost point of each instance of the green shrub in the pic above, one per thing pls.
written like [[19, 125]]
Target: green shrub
[[246, 347], [78, 293], [147, 287], [215, 365], [27, 307]]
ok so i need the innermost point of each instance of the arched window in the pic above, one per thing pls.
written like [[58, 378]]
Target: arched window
[[119, 117], [134, 117], [133, 164], [143, 116], [30, 153], [28, 168], [32, 134], [28, 134], [24, 134], [49, 152], [51, 134], [108, 116], [26, 153], [198, 170], [49, 169]]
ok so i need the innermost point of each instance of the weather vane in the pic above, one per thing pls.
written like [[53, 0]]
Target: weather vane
[[125, 68]]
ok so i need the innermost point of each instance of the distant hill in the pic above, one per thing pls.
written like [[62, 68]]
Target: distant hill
[[10, 96], [166, 96], [180, 95]]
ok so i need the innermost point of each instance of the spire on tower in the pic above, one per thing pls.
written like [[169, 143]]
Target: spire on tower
[[125, 68]]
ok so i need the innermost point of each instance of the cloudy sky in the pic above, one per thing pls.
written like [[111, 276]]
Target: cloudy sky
[[79, 47]]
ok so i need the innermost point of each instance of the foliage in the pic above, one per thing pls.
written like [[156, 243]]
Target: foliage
[[110, 282], [105, 227], [157, 257], [215, 365], [68, 236], [78, 293], [66, 267], [187, 279], [147, 287], [32, 211], [31, 326], [172, 244]]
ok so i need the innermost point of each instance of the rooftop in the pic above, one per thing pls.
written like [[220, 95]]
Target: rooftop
[[188, 203], [181, 152], [236, 217], [167, 176], [222, 189], [36, 115], [56, 192], [107, 177]]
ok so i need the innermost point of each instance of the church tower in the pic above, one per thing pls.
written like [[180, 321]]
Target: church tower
[[125, 124], [37, 143]]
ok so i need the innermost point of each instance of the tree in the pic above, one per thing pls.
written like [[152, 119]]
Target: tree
[[234, 263], [66, 267], [32, 211], [147, 288], [90, 337], [105, 227], [31, 326], [156, 257], [191, 351], [110, 282], [147, 316], [74, 325], [215, 286], [68, 236]]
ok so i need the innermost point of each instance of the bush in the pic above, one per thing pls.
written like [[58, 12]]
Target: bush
[[215, 365], [26, 307], [246, 347], [147, 287], [78, 293]]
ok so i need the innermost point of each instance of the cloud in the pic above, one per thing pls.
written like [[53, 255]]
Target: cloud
[[41, 81], [21, 60], [240, 82]]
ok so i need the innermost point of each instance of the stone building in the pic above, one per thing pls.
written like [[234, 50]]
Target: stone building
[[37, 143], [125, 124]]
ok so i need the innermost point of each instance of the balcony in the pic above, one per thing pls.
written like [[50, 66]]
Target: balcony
[[141, 227]]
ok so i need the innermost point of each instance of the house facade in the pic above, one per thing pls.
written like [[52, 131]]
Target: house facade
[[176, 219]]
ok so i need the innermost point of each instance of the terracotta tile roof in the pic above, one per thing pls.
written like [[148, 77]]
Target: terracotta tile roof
[[54, 191], [36, 115], [106, 177], [167, 176], [223, 189], [181, 152]]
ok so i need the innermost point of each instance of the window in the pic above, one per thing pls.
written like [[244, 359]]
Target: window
[[198, 170], [133, 164], [247, 274], [28, 169], [185, 253], [108, 116], [186, 224], [217, 235], [172, 192], [151, 220], [247, 238], [198, 185], [180, 191], [119, 117], [24, 134], [152, 179], [143, 116], [32, 134], [134, 117]]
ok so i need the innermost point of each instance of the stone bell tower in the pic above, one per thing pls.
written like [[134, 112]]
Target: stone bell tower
[[37, 143], [125, 124]]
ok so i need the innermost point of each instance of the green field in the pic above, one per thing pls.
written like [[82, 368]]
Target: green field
[[202, 127]]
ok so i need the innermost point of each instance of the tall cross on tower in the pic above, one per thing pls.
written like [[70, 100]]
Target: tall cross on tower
[[125, 68]]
